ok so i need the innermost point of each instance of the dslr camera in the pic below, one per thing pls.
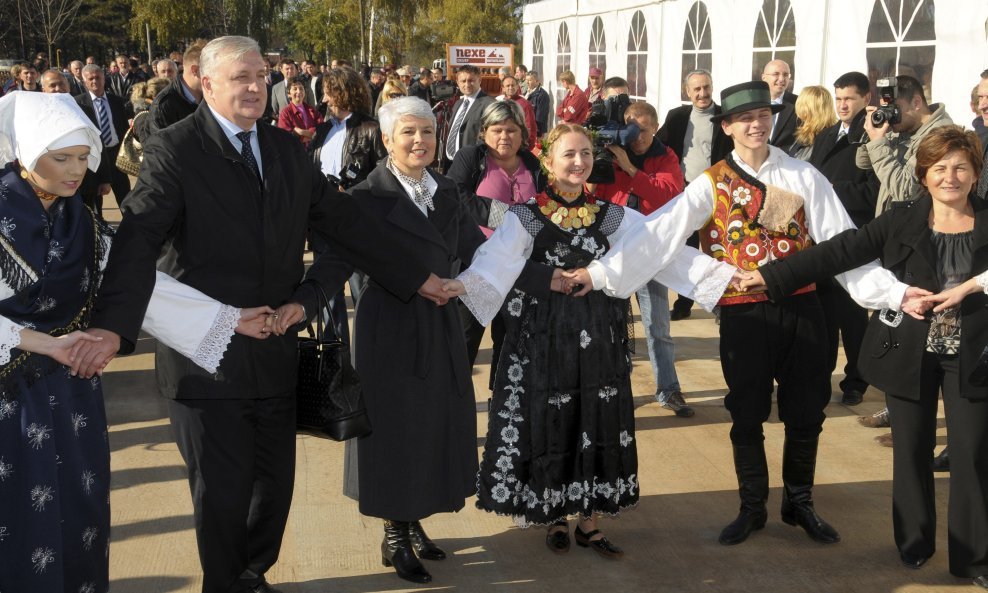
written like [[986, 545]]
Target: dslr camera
[[606, 123], [888, 111], [348, 177]]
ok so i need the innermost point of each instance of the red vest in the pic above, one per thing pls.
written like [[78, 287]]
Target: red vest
[[735, 233]]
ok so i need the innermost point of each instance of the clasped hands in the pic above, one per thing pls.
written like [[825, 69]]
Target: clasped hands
[[916, 302], [575, 282], [88, 353]]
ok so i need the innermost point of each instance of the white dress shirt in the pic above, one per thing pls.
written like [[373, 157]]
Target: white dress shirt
[[231, 130]]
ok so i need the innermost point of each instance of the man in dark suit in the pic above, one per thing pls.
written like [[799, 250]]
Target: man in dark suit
[[226, 203], [313, 84], [778, 76], [982, 187], [540, 101], [181, 98], [690, 133], [107, 112], [833, 155], [127, 76], [464, 127], [76, 84]]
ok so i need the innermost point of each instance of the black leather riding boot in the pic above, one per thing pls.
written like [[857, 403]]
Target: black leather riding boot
[[424, 547], [798, 469], [752, 470], [396, 550]]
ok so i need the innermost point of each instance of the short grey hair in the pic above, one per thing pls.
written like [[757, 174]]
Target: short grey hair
[[535, 75], [502, 111], [74, 62], [90, 68], [504, 70], [165, 61], [697, 72], [394, 110], [225, 49]]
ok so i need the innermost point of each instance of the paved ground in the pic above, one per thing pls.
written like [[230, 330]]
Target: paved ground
[[688, 495]]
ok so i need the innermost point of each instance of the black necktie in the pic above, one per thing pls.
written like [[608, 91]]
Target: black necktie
[[248, 154]]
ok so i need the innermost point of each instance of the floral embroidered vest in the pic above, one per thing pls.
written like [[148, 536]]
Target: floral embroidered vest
[[751, 225]]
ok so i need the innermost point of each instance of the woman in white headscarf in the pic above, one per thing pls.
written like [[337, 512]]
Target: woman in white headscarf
[[54, 455]]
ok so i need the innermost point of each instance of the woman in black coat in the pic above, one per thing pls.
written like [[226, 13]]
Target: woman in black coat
[[499, 168], [421, 457], [938, 243]]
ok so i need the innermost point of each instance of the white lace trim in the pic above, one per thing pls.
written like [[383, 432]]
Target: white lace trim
[[482, 299], [982, 280], [10, 337], [210, 351], [715, 280]]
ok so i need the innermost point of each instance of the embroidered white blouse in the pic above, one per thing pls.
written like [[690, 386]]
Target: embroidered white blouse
[[500, 260]]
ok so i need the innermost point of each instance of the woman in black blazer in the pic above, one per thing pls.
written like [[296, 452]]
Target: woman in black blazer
[[938, 242]]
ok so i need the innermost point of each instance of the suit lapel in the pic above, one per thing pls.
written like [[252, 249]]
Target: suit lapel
[[915, 233]]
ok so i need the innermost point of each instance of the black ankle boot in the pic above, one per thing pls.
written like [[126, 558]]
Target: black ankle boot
[[752, 470], [798, 469], [424, 547], [396, 550]]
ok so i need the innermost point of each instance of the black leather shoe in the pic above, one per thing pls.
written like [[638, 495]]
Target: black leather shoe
[[396, 551], [557, 540], [602, 546], [679, 314], [910, 561], [941, 463], [424, 547], [852, 397], [263, 587], [981, 581], [738, 530]]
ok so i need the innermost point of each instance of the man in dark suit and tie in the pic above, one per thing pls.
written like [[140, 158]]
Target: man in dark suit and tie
[[464, 129], [778, 76], [107, 111], [225, 202], [690, 133], [833, 155]]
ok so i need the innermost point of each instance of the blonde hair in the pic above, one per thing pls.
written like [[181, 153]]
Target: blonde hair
[[815, 108], [392, 86], [549, 143]]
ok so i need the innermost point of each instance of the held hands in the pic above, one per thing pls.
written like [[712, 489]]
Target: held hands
[[578, 280], [284, 318], [914, 302], [952, 297], [255, 322], [89, 357], [60, 349], [454, 288], [433, 290], [751, 280]]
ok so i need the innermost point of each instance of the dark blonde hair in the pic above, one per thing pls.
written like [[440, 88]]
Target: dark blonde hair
[[939, 142], [348, 90], [815, 109], [549, 143]]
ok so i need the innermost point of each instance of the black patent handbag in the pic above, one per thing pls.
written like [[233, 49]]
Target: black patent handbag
[[328, 399]]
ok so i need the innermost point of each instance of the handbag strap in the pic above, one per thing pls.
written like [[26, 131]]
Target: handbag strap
[[322, 304]]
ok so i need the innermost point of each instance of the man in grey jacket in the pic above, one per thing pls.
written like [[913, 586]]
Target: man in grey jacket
[[891, 150]]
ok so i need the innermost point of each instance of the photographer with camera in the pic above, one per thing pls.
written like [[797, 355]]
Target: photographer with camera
[[646, 176], [895, 129]]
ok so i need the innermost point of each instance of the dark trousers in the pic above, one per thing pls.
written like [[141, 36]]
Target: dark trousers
[[784, 342], [914, 425], [241, 460], [685, 303], [846, 323]]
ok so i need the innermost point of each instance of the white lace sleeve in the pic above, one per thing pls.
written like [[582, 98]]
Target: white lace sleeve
[[982, 280], [10, 338], [495, 268], [190, 322]]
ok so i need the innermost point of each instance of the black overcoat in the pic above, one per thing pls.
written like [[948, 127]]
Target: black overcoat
[[673, 134], [421, 458], [891, 357], [857, 188], [237, 240]]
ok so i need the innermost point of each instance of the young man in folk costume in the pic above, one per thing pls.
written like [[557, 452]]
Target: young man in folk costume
[[756, 205]]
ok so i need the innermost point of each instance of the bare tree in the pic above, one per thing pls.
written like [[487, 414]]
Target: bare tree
[[51, 19]]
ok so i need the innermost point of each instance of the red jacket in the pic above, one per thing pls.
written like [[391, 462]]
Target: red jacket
[[659, 180], [289, 119], [575, 108]]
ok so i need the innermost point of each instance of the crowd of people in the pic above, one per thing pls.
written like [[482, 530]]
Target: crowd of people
[[790, 216]]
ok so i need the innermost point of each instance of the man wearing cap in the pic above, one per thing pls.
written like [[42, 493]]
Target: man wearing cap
[[756, 205], [595, 86]]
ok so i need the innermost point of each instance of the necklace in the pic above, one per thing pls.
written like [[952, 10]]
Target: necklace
[[46, 196], [565, 216]]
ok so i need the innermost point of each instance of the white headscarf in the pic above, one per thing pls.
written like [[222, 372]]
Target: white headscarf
[[31, 124]]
